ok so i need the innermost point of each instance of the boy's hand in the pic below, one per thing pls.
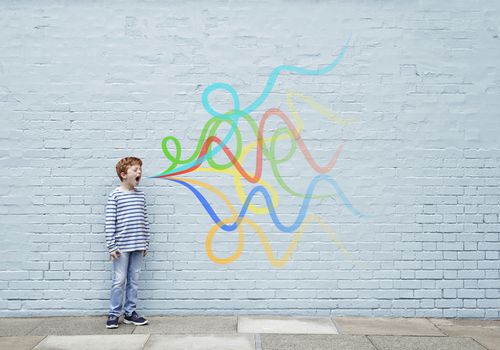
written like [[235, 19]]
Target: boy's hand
[[115, 255], [145, 252]]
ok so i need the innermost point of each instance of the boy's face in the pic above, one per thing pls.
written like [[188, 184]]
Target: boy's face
[[132, 176]]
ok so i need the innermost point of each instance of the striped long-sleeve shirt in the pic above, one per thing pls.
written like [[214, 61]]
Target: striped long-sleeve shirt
[[127, 226]]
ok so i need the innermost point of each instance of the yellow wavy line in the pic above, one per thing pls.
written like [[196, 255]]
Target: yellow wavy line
[[276, 262], [314, 104]]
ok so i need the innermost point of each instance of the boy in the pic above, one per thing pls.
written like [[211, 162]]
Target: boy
[[127, 240]]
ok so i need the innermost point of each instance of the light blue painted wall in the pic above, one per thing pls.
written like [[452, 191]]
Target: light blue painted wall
[[84, 84]]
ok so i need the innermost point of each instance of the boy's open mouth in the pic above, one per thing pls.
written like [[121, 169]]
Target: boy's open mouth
[[138, 178]]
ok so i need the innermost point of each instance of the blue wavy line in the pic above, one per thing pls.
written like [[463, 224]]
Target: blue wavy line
[[272, 212]]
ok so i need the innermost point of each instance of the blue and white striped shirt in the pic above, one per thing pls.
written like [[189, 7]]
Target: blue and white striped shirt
[[127, 226]]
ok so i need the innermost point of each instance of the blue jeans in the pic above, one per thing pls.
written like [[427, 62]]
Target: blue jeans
[[125, 274]]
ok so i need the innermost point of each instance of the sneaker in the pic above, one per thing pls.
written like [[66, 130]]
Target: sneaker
[[135, 319], [112, 322]]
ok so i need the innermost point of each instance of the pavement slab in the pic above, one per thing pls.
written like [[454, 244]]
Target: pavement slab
[[87, 325], [468, 328], [93, 342], [201, 342], [189, 324], [286, 325], [14, 327], [466, 322], [424, 343], [490, 343], [315, 342], [486, 332], [19, 343], [386, 326]]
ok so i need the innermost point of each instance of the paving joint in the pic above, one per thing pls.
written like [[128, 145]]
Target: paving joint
[[437, 326], [258, 342], [371, 342]]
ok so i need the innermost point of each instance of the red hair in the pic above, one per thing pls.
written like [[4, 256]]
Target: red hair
[[125, 163]]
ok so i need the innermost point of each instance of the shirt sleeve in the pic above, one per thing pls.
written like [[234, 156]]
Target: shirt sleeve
[[146, 223], [111, 224]]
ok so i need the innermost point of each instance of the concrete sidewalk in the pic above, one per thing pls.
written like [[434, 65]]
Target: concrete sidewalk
[[250, 333]]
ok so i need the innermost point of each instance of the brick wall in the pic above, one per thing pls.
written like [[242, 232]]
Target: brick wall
[[84, 84]]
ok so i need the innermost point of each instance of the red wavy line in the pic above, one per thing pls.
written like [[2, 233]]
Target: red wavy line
[[260, 140]]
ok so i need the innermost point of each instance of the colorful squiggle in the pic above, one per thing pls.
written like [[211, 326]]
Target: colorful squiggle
[[272, 212], [233, 166], [258, 168], [276, 262], [236, 112]]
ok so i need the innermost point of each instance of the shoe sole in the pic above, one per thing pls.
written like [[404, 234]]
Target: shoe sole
[[135, 323], [111, 327]]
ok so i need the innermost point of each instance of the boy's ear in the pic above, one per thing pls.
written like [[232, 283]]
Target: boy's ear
[[123, 174]]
